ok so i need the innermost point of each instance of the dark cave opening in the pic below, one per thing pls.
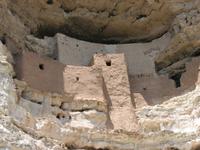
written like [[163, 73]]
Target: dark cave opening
[[41, 66], [141, 16], [78, 32], [50, 2], [177, 79], [196, 52], [3, 39], [50, 31], [108, 62]]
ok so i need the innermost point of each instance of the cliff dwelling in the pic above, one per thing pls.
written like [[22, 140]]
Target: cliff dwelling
[[93, 85], [73, 61], [99, 74], [110, 80]]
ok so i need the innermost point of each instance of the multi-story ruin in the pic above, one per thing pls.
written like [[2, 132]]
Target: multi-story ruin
[[99, 74], [106, 80]]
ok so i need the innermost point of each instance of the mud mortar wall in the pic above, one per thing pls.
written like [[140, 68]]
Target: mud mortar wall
[[40, 73]]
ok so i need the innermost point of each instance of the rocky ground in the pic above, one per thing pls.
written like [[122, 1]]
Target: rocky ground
[[172, 125]]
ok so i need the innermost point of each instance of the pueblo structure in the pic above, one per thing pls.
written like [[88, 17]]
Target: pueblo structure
[[106, 80], [75, 70], [99, 74]]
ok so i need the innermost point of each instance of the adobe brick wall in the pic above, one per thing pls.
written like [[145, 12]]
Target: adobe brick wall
[[40, 73], [117, 90]]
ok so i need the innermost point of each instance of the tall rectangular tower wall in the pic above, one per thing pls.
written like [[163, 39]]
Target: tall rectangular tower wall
[[115, 75]]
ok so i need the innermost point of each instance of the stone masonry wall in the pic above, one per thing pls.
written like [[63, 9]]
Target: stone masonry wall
[[40, 72], [115, 75]]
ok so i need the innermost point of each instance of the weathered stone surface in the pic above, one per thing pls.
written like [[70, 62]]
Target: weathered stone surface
[[11, 26], [38, 96], [88, 119], [108, 21], [7, 88], [185, 39], [181, 108], [111, 20], [184, 44]]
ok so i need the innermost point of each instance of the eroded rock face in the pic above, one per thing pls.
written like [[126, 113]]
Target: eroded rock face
[[184, 42], [107, 21]]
